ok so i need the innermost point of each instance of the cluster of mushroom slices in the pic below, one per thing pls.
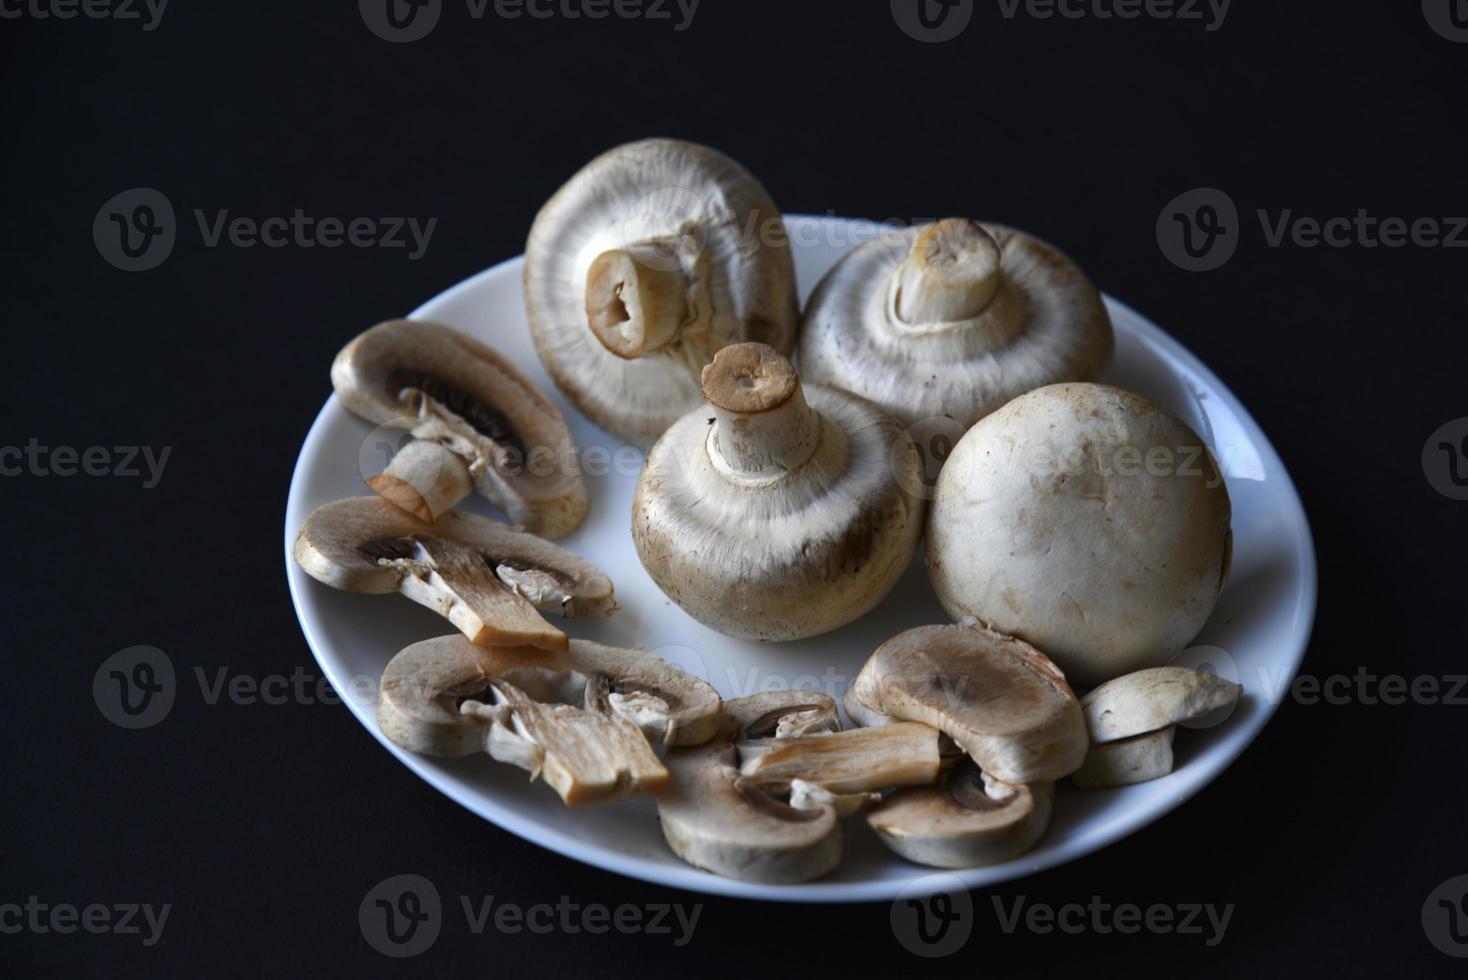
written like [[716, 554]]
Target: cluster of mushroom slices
[[954, 319], [1133, 719], [586, 721], [1086, 520], [475, 421], [489, 580], [777, 512], [651, 258]]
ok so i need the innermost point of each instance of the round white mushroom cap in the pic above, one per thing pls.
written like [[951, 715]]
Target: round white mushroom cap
[[776, 512], [651, 258], [1086, 520], [953, 318]]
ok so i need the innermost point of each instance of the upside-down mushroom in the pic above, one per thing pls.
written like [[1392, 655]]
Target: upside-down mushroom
[[651, 258], [953, 318], [777, 512], [475, 419], [487, 579]]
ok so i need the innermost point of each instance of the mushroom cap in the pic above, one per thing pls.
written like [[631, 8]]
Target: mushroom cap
[[999, 698], [1052, 523], [727, 226], [717, 820], [969, 820], [852, 336], [1153, 699], [793, 558], [459, 392]]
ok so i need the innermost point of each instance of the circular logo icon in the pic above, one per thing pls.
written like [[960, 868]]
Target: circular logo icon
[[400, 21], [401, 916], [1209, 660], [134, 688], [933, 916], [1445, 459], [933, 438], [1199, 231], [685, 658], [1449, 18], [135, 231], [932, 21], [1445, 917]]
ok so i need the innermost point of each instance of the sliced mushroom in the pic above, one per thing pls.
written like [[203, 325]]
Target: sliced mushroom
[[651, 258], [1150, 700], [1086, 520], [953, 318], [856, 761], [717, 819], [1127, 761], [581, 721], [768, 516], [484, 577], [970, 820], [999, 698], [474, 417]]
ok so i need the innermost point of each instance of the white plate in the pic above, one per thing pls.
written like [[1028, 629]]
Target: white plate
[[1262, 622]]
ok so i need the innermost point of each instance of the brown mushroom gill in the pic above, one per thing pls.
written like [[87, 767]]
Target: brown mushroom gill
[[760, 796], [486, 420]]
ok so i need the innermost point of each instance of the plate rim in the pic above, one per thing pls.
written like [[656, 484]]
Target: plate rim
[[885, 889]]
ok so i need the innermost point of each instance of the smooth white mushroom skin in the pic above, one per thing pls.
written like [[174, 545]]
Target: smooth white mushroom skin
[[970, 820], [1149, 700], [650, 259], [777, 511], [1087, 521], [953, 319], [1130, 760], [426, 479]]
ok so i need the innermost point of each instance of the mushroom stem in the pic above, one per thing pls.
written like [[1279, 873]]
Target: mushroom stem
[[763, 426], [637, 299], [426, 479], [952, 279]]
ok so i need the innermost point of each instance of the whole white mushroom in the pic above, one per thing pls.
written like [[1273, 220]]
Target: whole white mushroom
[[1086, 520]]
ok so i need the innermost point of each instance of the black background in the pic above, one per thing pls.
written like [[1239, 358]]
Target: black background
[[264, 826]]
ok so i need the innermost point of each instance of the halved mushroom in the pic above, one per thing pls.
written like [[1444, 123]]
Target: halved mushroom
[[999, 698], [1150, 700], [484, 577], [953, 318], [856, 761], [717, 819], [582, 721], [1127, 761], [968, 821], [651, 258], [1086, 520], [768, 516], [474, 417]]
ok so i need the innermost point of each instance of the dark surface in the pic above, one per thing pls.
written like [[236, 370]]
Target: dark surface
[[264, 826]]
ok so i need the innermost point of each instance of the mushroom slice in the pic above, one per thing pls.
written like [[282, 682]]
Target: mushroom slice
[[651, 258], [970, 820], [1088, 521], [953, 318], [1153, 699], [1128, 760], [484, 577], [554, 716], [999, 698], [777, 512], [475, 418], [855, 761], [717, 819]]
